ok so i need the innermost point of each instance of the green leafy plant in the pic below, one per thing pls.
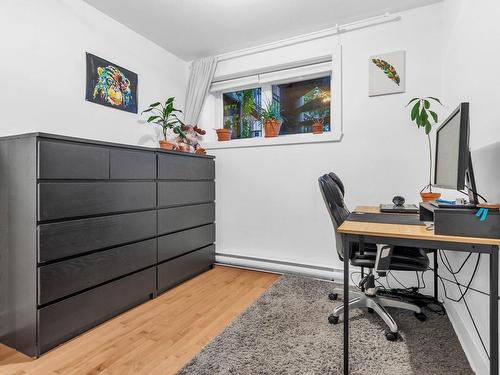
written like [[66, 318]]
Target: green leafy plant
[[163, 114], [424, 117], [271, 111]]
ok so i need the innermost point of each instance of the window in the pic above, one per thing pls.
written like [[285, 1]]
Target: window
[[241, 113], [304, 103], [307, 92]]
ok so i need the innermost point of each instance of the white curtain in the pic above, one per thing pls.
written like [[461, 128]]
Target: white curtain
[[202, 72]]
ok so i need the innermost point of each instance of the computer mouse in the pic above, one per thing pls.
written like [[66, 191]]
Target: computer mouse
[[398, 200]]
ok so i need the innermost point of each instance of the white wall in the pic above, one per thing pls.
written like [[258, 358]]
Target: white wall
[[470, 67], [42, 64], [268, 201]]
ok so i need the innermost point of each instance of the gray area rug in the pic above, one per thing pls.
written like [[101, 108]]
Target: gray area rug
[[286, 331]]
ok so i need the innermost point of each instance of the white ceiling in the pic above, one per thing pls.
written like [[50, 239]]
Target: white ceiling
[[198, 28]]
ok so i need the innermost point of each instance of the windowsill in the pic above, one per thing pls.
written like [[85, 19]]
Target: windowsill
[[291, 139]]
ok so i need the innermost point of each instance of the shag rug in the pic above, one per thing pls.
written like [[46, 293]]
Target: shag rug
[[286, 331]]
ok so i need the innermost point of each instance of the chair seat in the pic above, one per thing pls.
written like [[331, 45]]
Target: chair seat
[[403, 258]]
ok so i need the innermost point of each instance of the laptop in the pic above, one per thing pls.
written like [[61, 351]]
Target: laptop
[[399, 209]]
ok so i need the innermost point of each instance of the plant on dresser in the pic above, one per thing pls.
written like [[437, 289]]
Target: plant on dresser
[[163, 114]]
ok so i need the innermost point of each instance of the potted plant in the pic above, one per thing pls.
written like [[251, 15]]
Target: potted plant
[[224, 134], [422, 115], [271, 118], [163, 114]]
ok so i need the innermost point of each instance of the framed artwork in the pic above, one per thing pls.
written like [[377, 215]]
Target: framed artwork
[[387, 73], [110, 84]]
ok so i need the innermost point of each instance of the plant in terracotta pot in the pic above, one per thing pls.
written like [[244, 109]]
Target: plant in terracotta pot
[[424, 117], [163, 114], [271, 118], [318, 118], [224, 134]]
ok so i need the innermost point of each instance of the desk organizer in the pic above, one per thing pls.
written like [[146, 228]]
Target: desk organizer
[[461, 222]]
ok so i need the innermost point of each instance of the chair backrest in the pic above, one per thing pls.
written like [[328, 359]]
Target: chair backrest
[[338, 181], [334, 201]]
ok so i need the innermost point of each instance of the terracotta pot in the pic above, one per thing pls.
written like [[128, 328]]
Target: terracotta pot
[[166, 145], [317, 128], [224, 134], [272, 128], [200, 151], [428, 196]]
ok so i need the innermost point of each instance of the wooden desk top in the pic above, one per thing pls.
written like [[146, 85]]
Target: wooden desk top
[[404, 231]]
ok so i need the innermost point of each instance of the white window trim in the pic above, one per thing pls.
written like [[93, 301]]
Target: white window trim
[[334, 135]]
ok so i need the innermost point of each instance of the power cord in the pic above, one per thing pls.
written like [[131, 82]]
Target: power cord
[[463, 293]]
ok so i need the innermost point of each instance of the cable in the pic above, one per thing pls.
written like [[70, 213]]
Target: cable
[[463, 297], [475, 192], [453, 273], [462, 285]]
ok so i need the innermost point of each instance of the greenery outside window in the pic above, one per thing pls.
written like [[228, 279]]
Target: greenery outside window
[[241, 113]]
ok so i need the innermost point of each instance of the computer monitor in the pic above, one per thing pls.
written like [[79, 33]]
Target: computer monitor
[[453, 162]]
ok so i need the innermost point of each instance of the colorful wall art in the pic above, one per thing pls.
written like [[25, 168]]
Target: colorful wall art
[[387, 73], [111, 85]]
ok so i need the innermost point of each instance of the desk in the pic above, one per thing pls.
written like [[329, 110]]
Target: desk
[[419, 236]]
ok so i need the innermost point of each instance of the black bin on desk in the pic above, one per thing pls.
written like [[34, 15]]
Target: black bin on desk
[[465, 223]]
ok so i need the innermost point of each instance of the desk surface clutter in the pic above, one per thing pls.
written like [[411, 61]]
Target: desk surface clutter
[[404, 230]]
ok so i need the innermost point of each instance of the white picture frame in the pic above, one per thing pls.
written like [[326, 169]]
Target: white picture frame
[[387, 73]]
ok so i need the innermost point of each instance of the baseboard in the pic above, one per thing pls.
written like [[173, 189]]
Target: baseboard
[[281, 267], [468, 339]]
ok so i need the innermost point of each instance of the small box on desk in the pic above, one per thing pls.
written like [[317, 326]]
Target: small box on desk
[[461, 221]]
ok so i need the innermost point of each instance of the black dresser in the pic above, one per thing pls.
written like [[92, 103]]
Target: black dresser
[[90, 229]]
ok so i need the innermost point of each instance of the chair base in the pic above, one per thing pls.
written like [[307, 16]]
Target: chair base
[[377, 304]]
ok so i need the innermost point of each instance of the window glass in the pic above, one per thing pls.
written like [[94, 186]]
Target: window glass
[[240, 113], [304, 103]]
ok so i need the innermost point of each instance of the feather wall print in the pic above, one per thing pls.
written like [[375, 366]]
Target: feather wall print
[[388, 69], [387, 73]]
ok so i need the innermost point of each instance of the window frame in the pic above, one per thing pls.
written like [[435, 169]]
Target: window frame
[[265, 82]]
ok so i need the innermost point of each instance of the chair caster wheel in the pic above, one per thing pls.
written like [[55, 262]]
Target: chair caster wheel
[[421, 316], [391, 336], [333, 296], [332, 319], [370, 310]]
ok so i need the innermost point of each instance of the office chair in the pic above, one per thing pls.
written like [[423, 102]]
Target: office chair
[[371, 256]]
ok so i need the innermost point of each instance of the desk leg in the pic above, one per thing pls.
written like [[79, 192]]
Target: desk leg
[[494, 310], [346, 303], [435, 275]]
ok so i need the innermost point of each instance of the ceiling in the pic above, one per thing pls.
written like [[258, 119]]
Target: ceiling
[[196, 28]]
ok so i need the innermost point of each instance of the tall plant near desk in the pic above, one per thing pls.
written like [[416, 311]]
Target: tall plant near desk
[[424, 117]]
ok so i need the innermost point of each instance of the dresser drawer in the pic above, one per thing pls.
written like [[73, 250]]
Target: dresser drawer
[[70, 238], [72, 160], [180, 269], [132, 165], [179, 218], [175, 244], [66, 319], [172, 167], [61, 279], [171, 193], [59, 200]]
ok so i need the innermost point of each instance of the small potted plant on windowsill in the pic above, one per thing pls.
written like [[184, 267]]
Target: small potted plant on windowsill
[[224, 134], [162, 114], [421, 114], [271, 118]]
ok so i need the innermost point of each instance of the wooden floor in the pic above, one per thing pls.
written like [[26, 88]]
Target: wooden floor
[[158, 337]]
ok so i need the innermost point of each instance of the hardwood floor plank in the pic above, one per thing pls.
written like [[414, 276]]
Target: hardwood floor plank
[[158, 337]]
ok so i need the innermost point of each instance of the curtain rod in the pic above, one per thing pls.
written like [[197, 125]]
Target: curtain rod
[[337, 29]]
